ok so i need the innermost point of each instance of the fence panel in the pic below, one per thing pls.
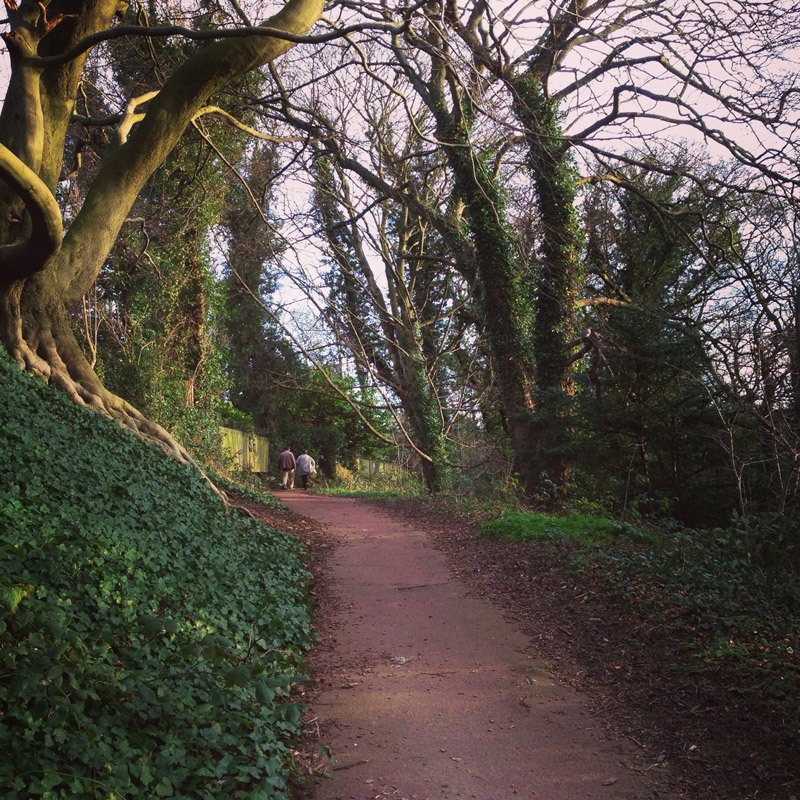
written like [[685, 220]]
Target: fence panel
[[249, 451]]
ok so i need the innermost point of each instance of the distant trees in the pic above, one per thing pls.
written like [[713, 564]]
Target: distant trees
[[259, 359], [659, 248], [510, 233], [396, 324], [511, 114]]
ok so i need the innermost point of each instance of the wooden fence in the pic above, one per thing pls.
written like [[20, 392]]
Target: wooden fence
[[249, 451]]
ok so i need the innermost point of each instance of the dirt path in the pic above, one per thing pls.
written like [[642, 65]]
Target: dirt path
[[427, 693]]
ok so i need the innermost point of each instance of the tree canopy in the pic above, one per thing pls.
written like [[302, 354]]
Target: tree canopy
[[552, 240]]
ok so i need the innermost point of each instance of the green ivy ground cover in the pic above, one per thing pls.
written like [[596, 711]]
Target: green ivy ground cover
[[149, 637]]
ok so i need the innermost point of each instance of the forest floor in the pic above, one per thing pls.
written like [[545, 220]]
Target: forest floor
[[451, 666]]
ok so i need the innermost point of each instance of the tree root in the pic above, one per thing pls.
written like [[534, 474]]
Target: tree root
[[41, 357]]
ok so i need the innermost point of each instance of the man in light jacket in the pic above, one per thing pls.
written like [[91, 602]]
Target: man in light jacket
[[305, 467], [287, 465]]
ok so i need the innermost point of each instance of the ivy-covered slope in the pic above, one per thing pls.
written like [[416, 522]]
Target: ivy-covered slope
[[148, 635]]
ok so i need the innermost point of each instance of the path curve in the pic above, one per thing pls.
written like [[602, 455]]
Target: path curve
[[430, 694]]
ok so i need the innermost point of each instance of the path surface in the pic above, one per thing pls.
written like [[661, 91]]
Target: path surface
[[430, 694]]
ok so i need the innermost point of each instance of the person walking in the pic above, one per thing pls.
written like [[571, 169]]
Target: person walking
[[305, 468], [287, 465]]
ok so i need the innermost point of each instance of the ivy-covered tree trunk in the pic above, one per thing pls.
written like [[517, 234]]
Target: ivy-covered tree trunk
[[502, 297], [423, 410], [43, 271], [394, 351], [558, 260], [557, 281], [419, 402], [496, 272]]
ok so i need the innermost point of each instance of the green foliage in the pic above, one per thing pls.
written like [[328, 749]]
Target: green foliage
[[241, 485], [475, 508], [368, 494], [260, 357], [156, 320], [708, 588], [584, 529], [650, 415], [711, 588], [232, 417], [395, 483], [149, 637], [317, 418]]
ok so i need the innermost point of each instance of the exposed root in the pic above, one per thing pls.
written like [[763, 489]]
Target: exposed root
[[42, 358]]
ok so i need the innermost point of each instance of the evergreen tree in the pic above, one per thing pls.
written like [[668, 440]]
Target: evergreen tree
[[649, 410]]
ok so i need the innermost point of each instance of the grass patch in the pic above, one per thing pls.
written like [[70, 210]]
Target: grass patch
[[149, 636], [582, 529]]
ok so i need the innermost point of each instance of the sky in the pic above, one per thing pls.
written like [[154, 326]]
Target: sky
[[304, 256]]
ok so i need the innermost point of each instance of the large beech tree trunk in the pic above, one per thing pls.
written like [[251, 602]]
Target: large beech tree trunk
[[43, 271]]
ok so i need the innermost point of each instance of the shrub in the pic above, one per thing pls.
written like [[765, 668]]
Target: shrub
[[712, 589]]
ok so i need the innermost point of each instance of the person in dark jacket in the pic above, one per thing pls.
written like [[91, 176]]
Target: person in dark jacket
[[287, 465]]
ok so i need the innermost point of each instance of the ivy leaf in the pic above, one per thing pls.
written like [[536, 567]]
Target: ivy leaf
[[150, 625], [290, 712], [14, 595], [238, 676], [264, 693], [147, 694]]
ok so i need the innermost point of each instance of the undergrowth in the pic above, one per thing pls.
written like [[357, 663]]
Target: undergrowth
[[477, 508], [709, 588], [364, 494], [391, 483], [245, 485], [149, 637]]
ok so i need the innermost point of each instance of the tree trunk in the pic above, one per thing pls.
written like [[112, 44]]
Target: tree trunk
[[422, 408], [503, 300], [36, 332], [794, 361], [559, 270], [42, 274]]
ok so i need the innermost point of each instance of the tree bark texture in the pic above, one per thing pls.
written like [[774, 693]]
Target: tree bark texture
[[42, 272], [502, 297]]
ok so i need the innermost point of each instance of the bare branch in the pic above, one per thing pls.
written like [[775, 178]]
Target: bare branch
[[162, 31]]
